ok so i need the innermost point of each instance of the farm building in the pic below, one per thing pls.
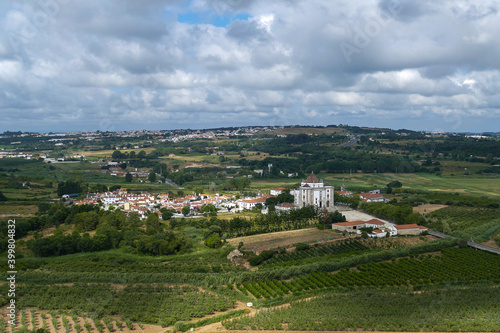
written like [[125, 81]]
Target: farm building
[[378, 233], [410, 229], [349, 226]]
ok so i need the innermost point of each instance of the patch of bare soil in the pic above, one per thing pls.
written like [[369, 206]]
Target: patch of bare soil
[[283, 239], [491, 243], [398, 241], [427, 208]]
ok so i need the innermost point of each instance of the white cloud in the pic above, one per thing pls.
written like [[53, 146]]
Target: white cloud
[[277, 62]]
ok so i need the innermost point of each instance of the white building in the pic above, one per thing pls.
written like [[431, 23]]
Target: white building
[[284, 207], [314, 192], [277, 191]]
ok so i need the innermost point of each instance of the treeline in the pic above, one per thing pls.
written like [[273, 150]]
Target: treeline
[[106, 238], [367, 164], [325, 159], [402, 214], [414, 197], [114, 229], [272, 222]]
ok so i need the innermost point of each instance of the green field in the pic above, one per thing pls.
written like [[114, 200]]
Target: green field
[[445, 309], [171, 275], [488, 185]]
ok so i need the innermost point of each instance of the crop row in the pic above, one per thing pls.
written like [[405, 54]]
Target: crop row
[[151, 304], [453, 265], [318, 251], [436, 309]]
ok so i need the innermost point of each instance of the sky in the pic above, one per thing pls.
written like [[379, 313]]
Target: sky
[[109, 65]]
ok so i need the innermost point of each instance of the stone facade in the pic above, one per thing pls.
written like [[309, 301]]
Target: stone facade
[[314, 192]]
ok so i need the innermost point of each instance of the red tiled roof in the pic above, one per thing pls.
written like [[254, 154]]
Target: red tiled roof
[[375, 221], [312, 179], [348, 224], [370, 196], [285, 204], [408, 226]]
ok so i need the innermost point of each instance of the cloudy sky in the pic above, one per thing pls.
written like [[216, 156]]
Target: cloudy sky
[[71, 65]]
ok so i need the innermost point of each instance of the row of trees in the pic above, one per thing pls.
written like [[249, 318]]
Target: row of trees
[[111, 234]]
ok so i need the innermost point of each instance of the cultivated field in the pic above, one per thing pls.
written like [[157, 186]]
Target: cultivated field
[[472, 184], [284, 239], [427, 208]]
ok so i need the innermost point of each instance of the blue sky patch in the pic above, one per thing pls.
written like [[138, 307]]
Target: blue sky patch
[[209, 17]]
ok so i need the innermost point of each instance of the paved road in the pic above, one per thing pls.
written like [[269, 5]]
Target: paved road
[[438, 234], [168, 181], [471, 244], [483, 247], [352, 141]]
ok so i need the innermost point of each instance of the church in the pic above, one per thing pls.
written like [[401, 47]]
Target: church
[[314, 192]]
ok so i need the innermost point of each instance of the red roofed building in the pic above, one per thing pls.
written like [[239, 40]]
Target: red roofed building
[[277, 191], [372, 197], [410, 229], [355, 225], [250, 203], [285, 207]]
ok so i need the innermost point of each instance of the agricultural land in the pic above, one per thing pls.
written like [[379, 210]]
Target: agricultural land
[[158, 231]]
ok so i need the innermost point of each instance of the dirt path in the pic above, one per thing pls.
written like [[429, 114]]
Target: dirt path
[[145, 328], [217, 327]]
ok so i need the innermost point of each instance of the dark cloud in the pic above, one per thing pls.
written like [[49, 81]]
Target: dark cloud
[[125, 64]]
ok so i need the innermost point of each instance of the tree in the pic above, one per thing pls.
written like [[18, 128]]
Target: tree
[[213, 241], [69, 187], [128, 177], [167, 214], [392, 185], [152, 177], [43, 207], [117, 155], [395, 184], [153, 222], [114, 188], [327, 218], [3, 197], [186, 210]]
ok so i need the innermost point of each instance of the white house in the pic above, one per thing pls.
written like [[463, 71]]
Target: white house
[[277, 191], [284, 207], [377, 233], [250, 203], [372, 197]]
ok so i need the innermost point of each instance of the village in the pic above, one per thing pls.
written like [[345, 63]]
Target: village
[[311, 192]]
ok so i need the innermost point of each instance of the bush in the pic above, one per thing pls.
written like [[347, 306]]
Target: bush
[[213, 241], [265, 255], [302, 247]]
